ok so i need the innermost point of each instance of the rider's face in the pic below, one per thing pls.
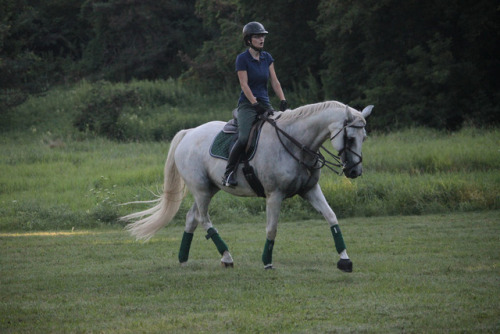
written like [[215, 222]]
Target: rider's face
[[258, 40]]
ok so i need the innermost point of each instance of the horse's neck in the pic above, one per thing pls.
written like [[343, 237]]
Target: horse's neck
[[314, 130]]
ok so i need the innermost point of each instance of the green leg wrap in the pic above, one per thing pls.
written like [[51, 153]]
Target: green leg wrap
[[337, 237], [185, 246], [267, 255], [219, 243]]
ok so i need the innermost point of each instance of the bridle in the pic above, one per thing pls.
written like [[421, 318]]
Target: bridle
[[347, 148], [319, 160]]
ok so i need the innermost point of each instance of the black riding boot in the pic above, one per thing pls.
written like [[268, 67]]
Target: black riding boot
[[232, 165]]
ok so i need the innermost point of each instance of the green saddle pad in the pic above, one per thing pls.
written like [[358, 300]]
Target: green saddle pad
[[223, 142]]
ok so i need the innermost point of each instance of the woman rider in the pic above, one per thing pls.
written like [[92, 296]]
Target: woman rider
[[254, 67]]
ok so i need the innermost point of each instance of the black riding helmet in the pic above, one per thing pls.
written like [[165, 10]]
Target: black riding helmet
[[253, 28]]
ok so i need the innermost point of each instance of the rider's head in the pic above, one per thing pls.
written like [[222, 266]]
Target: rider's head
[[253, 29]]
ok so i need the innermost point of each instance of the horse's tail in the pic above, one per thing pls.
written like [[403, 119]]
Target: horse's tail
[[174, 190]]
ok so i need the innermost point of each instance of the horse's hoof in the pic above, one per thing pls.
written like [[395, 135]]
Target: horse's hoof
[[345, 265], [183, 264], [268, 267], [227, 264]]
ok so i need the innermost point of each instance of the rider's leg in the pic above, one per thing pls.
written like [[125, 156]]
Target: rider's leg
[[246, 118], [232, 164]]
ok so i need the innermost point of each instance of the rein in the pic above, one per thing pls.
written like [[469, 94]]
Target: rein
[[319, 159]]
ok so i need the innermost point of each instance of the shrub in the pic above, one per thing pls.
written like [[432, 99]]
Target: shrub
[[145, 110]]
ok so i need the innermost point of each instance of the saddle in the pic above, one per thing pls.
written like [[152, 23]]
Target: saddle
[[224, 141]]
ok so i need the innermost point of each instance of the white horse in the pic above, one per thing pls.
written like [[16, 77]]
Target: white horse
[[284, 169]]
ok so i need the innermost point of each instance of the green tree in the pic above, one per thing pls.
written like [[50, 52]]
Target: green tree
[[140, 38], [37, 39], [291, 40], [421, 62], [214, 64]]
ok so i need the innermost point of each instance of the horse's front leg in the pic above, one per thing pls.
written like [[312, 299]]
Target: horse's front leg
[[273, 207], [318, 201]]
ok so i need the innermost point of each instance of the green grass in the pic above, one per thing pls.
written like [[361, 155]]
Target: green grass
[[134, 111], [419, 151], [67, 266], [48, 182], [436, 273]]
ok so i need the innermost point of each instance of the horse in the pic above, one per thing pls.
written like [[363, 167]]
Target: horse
[[287, 162]]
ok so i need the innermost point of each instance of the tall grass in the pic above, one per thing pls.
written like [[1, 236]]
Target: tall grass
[[139, 110], [78, 183], [56, 177]]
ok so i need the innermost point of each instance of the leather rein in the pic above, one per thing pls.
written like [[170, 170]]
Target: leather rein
[[319, 159]]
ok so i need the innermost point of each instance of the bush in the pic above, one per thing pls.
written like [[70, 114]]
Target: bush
[[145, 110]]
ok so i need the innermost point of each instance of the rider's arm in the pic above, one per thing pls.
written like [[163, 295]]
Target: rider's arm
[[243, 78], [275, 83]]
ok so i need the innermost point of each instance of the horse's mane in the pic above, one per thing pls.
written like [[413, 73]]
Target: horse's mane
[[311, 109]]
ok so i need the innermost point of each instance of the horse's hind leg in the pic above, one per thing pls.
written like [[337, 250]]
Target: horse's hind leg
[[187, 237], [227, 259], [199, 214]]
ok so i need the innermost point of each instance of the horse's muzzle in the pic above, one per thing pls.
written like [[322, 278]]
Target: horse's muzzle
[[354, 171]]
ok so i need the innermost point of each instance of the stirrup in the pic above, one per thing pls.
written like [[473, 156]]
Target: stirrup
[[229, 181]]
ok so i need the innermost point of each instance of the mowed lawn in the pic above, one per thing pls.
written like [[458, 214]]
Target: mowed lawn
[[437, 273]]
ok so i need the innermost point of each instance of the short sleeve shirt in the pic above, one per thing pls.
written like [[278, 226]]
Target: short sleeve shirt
[[257, 72]]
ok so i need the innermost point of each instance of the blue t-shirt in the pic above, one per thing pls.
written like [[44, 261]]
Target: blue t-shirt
[[257, 72]]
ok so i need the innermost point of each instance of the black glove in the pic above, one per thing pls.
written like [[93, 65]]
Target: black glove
[[258, 108], [283, 105]]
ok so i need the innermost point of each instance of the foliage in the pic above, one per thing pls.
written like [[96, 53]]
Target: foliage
[[142, 110], [39, 40], [427, 63], [289, 33], [139, 39], [291, 41], [39, 43], [214, 64]]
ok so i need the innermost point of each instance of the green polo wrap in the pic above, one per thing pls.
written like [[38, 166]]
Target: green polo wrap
[[267, 255], [219, 243], [337, 237], [185, 246]]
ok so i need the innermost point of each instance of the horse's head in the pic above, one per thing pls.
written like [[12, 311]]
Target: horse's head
[[348, 139]]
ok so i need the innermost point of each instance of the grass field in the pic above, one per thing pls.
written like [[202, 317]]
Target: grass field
[[421, 226], [435, 273]]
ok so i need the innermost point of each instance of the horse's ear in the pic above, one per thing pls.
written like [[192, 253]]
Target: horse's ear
[[367, 111], [350, 116]]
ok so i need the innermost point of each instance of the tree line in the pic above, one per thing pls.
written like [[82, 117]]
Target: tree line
[[421, 62]]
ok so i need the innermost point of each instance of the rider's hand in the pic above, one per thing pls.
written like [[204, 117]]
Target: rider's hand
[[283, 105], [258, 108]]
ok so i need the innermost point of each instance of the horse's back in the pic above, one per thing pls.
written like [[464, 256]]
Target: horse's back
[[201, 136]]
